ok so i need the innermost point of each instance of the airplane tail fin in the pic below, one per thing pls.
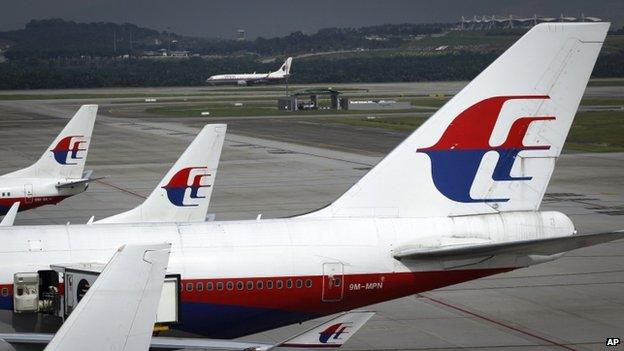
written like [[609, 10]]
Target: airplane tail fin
[[66, 156], [184, 193], [285, 69], [491, 148], [333, 333]]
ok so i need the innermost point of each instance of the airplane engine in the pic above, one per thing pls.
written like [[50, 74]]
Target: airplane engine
[[241, 82]]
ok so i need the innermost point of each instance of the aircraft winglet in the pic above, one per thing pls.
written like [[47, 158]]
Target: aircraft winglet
[[128, 323], [9, 218]]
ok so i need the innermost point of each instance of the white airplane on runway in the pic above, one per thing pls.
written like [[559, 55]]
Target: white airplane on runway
[[58, 174], [253, 78], [183, 195], [456, 201]]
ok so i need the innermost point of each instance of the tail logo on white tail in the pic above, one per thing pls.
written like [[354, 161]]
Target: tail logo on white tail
[[179, 183], [67, 149], [456, 157], [333, 332]]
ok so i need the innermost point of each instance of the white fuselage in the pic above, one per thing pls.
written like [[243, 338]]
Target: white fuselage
[[246, 78], [34, 192], [306, 252]]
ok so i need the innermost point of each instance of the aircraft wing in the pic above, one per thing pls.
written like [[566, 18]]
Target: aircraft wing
[[133, 279], [331, 334], [9, 217], [545, 247]]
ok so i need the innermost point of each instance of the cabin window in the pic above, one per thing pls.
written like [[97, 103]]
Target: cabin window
[[337, 282], [2, 194], [308, 283], [240, 285], [299, 283], [5, 292], [209, 286], [259, 284], [9, 193], [230, 285], [279, 284], [269, 284], [189, 286], [199, 286], [219, 286], [289, 283], [250, 285]]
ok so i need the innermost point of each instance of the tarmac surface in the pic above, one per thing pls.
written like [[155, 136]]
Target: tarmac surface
[[285, 166]]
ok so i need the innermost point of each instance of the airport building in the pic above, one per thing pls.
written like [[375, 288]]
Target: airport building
[[499, 22], [308, 99]]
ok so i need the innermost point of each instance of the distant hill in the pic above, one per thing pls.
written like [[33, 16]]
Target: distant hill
[[56, 37], [51, 38], [54, 53]]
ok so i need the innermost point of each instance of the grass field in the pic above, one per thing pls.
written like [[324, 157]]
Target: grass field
[[600, 131], [256, 109], [7, 97], [615, 82]]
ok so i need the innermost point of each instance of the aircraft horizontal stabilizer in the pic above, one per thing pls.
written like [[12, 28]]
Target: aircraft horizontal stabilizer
[[542, 247], [74, 182], [333, 333]]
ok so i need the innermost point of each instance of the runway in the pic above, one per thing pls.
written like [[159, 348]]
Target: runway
[[284, 166]]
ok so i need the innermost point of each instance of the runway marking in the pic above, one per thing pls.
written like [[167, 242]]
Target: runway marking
[[121, 189], [499, 323]]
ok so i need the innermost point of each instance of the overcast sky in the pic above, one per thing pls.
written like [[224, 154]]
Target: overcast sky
[[269, 18]]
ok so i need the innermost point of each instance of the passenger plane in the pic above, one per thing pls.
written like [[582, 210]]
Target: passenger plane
[[253, 78], [58, 174], [456, 201]]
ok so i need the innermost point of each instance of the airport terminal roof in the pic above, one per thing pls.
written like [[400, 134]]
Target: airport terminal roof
[[315, 91]]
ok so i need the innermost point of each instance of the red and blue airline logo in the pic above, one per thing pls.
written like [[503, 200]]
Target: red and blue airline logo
[[456, 157], [67, 149], [176, 188], [333, 332]]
